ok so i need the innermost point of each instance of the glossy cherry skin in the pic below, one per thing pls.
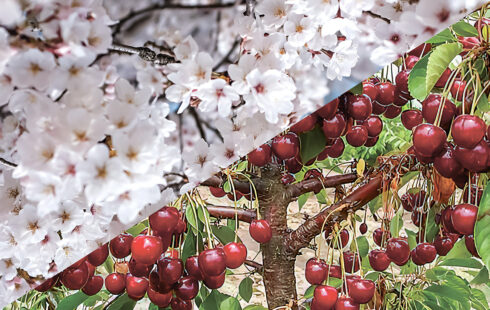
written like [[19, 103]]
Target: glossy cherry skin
[[457, 89], [336, 149], [444, 78], [351, 262], [146, 249], [386, 93], [374, 125], [443, 244], [328, 111], [363, 228], [411, 61], [162, 300], [99, 256], [392, 111], [304, 125], [357, 135], [285, 146], [324, 297], [407, 203], [346, 303], [401, 81], [411, 118], [378, 235], [215, 282], [217, 192], [475, 159], [398, 250], [212, 262], [236, 254], [464, 217], [179, 304], [192, 267], [165, 220], [359, 107], [169, 269], [75, 278], [426, 252], [47, 284], [430, 107], [334, 127], [293, 165], [139, 270], [429, 140], [260, 231], [136, 287], [401, 98], [186, 288], [370, 90], [469, 241], [361, 290], [446, 163], [315, 271], [287, 178], [334, 271], [378, 109], [421, 50], [261, 156], [115, 283], [378, 260], [446, 220], [371, 141], [120, 246], [468, 130], [93, 286]]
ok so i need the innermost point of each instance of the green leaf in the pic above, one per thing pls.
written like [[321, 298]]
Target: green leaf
[[245, 289], [224, 234], [255, 307], [309, 292], [242, 166], [230, 303], [191, 219], [432, 227], [396, 223], [417, 77], [439, 60], [135, 230], [312, 143], [213, 300], [363, 245], [464, 29], [72, 301], [92, 300], [357, 90], [109, 264], [462, 262], [189, 246], [322, 198], [458, 251], [302, 200], [482, 277], [123, 302], [334, 282], [442, 37], [482, 228], [478, 300], [412, 238]]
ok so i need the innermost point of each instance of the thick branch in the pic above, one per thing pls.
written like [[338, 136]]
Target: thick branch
[[315, 184], [217, 181], [222, 212], [303, 235], [258, 267]]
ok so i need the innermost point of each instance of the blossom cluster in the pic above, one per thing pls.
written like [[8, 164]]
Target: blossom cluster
[[98, 140]]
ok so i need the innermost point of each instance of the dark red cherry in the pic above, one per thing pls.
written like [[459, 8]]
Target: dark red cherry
[[351, 262], [418, 217], [430, 107], [378, 260], [179, 304], [328, 111], [336, 149], [374, 126], [361, 290], [186, 288], [98, 257], [217, 192], [315, 271], [457, 89], [401, 98], [136, 287], [446, 221], [415, 258], [398, 250], [236, 254], [411, 61], [464, 217], [285, 146], [371, 141], [115, 283], [411, 118], [334, 271], [293, 165], [370, 90], [169, 269], [363, 228], [165, 220], [441, 83], [75, 278], [287, 178], [304, 125], [47, 284], [475, 159], [426, 252], [386, 93], [407, 202], [261, 156], [215, 282], [357, 135], [161, 300], [402, 81], [392, 111], [146, 249], [212, 262], [468, 130], [378, 109], [260, 231], [469, 241], [192, 267], [324, 297], [421, 50], [359, 107], [443, 244], [120, 246], [429, 140], [334, 127], [379, 234], [93, 286], [346, 303], [139, 270], [446, 163]]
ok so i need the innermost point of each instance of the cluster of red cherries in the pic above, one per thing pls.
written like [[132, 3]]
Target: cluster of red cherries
[[154, 269]]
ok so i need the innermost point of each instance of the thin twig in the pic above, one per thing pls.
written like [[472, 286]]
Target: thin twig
[[7, 163], [227, 56], [194, 114]]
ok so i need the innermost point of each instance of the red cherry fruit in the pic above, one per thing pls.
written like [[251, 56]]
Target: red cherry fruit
[[401, 98], [136, 286], [315, 271], [392, 111], [161, 300], [429, 140], [115, 283], [93, 285], [421, 50], [260, 231], [407, 202], [446, 221], [463, 218], [430, 107], [261, 156], [475, 159], [415, 258], [444, 78], [357, 135], [378, 235], [443, 244], [359, 107], [344, 237], [468, 43], [236, 254], [212, 262], [192, 267], [304, 125], [386, 93], [402, 81], [346, 303], [336, 149], [351, 262], [169, 269], [146, 249], [398, 250], [411, 118], [328, 111], [468, 130], [47, 284], [361, 290], [139, 270], [179, 304], [446, 163], [334, 127], [426, 252], [285, 146], [411, 61], [374, 126], [378, 260], [371, 141], [165, 220], [378, 109], [457, 89], [217, 192], [370, 90], [120, 246], [75, 278], [293, 165], [324, 297], [418, 217], [99, 256], [215, 282], [363, 228], [186, 288], [287, 178], [334, 271], [469, 241]]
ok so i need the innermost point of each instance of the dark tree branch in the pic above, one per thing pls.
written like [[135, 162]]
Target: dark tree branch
[[315, 184], [372, 14], [303, 235], [218, 181], [7, 163], [144, 53], [197, 119], [228, 55], [258, 267], [222, 212]]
